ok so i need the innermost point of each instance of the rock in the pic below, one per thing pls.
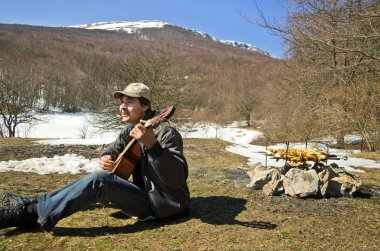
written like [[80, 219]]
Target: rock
[[325, 187], [285, 169], [258, 167], [326, 181], [335, 182], [274, 186], [338, 170], [344, 185], [259, 179], [299, 183], [318, 167]]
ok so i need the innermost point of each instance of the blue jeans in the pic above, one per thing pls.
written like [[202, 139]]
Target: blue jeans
[[85, 192]]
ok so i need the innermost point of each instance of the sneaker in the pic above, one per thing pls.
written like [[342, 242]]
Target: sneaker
[[17, 216], [8, 200]]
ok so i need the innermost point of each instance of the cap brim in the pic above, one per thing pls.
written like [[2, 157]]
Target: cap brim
[[119, 94]]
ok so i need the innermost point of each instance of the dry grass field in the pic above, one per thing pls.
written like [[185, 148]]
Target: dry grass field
[[224, 214]]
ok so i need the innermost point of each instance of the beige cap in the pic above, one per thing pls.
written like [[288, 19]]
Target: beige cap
[[134, 90]]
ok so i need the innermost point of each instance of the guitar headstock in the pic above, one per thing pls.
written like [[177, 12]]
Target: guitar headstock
[[163, 115]]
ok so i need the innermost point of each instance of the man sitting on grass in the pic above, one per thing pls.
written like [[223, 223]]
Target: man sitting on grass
[[159, 188]]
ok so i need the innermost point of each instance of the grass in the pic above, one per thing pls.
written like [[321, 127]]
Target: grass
[[10, 142], [371, 177], [224, 215], [367, 155]]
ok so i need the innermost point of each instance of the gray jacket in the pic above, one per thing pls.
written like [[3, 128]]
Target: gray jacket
[[162, 170]]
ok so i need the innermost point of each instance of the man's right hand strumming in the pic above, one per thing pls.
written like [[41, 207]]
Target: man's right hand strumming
[[106, 163]]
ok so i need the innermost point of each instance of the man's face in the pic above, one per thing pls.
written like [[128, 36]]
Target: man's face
[[131, 110]]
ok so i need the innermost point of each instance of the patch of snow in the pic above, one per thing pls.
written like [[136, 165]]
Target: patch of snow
[[69, 163], [68, 128]]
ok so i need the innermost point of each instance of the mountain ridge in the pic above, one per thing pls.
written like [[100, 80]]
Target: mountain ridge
[[136, 26]]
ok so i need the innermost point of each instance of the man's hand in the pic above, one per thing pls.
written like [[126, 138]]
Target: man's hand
[[143, 135], [106, 163]]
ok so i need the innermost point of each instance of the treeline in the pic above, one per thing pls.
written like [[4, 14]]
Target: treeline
[[334, 86]]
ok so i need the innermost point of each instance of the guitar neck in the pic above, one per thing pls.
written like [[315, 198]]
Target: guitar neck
[[118, 159]]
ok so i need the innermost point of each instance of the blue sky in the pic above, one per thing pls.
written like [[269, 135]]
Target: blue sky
[[220, 18]]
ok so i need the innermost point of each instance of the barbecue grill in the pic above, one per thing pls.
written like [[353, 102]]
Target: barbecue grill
[[286, 154]]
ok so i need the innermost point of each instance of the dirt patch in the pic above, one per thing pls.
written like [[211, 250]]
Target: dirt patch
[[36, 151]]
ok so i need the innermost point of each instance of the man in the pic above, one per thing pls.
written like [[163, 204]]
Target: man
[[159, 188]]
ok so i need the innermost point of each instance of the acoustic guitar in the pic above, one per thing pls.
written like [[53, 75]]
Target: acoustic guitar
[[130, 156]]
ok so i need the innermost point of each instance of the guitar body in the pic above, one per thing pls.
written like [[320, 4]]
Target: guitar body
[[127, 162]]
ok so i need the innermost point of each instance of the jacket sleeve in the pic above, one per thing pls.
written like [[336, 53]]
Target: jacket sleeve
[[119, 144], [167, 159]]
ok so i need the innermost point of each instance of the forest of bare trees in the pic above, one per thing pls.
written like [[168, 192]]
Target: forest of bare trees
[[334, 52], [327, 87], [79, 70]]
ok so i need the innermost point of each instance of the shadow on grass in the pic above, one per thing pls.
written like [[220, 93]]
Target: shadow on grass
[[365, 192], [215, 210], [222, 210]]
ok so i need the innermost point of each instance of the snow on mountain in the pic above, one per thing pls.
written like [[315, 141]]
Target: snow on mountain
[[130, 27], [133, 27], [242, 45]]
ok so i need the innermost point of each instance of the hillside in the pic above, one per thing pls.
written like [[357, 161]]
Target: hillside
[[155, 30], [177, 37], [72, 64]]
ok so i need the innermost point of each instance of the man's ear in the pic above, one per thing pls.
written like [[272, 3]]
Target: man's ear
[[145, 108]]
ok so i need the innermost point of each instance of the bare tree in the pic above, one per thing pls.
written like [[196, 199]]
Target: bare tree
[[18, 99], [152, 67], [246, 98]]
